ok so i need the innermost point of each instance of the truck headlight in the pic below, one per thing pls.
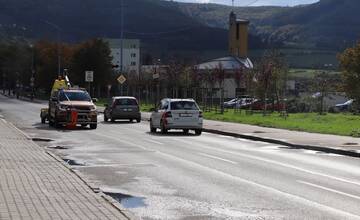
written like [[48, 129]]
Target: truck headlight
[[63, 107]]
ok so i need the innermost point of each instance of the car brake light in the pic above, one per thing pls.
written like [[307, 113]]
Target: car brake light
[[167, 115], [200, 114]]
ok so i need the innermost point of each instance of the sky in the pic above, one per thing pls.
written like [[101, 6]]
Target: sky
[[255, 2]]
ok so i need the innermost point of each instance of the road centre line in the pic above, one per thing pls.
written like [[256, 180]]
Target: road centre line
[[218, 158], [154, 142], [268, 188], [329, 189], [274, 162]]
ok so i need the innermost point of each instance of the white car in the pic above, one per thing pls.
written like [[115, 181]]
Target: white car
[[182, 114]]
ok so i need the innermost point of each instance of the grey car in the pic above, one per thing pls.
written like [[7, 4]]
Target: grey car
[[122, 107]]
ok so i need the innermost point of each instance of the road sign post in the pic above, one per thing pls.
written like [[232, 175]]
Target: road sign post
[[121, 79], [89, 78]]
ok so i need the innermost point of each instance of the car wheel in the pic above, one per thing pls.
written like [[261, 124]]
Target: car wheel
[[163, 129], [152, 129], [130, 120], [138, 120], [93, 126], [112, 120], [198, 131], [43, 120], [185, 131], [105, 118]]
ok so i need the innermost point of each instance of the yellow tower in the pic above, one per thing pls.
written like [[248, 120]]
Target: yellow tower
[[238, 36]]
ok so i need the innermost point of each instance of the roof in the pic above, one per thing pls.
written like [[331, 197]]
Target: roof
[[123, 97], [178, 100], [242, 21], [227, 63]]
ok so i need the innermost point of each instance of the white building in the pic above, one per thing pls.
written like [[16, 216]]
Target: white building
[[131, 54]]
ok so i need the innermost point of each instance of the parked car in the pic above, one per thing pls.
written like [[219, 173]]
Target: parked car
[[231, 104], [259, 105], [245, 102], [346, 106], [182, 114], [122, 107]]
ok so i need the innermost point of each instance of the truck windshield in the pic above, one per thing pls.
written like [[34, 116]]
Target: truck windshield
[[183, 105], [74, 96]]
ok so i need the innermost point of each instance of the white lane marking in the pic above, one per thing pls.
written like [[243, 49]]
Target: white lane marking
[[124, 141], [154, 142], [328, 189], [239, 179], [217, 158], [276, 163]]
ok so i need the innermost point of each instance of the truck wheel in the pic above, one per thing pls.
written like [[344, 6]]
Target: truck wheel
[[93, 126], [51, 123], [163, 129]]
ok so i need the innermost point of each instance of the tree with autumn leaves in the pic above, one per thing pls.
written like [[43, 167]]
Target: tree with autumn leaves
[[92, 55], [350, 65]]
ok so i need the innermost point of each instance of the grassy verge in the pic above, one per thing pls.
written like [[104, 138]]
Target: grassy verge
[[339, 124]]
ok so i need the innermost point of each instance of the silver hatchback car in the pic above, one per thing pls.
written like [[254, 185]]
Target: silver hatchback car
[[182, 114], [122, 107]]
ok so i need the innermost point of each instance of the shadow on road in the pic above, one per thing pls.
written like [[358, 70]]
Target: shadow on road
[[46, 127], [172, 134]]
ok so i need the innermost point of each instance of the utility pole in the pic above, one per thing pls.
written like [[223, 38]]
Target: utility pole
[[122, 36]]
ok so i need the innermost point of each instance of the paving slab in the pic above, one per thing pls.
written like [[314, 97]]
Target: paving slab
[[34, 185]]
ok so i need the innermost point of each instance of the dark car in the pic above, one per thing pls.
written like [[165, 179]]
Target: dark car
[[122, 107]]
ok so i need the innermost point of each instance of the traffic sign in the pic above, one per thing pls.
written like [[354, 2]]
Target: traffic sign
[[89, 76], [121, 79]]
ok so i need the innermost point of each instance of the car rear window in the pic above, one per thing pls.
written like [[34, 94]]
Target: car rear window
[[126, 102], [183, 105]]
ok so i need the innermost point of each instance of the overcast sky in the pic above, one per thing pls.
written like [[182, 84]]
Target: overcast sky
[[255, 3]]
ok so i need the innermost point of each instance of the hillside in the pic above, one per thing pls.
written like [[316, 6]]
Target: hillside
[[161, 27], [330, 24]]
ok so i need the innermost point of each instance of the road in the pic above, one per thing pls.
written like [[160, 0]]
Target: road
[[178, 176]]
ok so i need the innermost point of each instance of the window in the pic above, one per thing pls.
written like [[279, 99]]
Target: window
[[237, 31], [133, 55], [133, 63], [126, 102], [184, 105]]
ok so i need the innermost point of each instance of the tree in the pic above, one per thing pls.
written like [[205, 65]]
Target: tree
[[47, 62], [323, 85], [93, 55], [350, 65]]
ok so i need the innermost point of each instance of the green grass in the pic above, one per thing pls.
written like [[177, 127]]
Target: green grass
[[339, 124], [308, 73]]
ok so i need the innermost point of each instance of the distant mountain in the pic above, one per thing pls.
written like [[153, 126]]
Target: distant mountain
[[161, 27], [330, 24]]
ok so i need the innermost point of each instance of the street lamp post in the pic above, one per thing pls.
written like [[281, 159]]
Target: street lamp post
[[32, 79], [58, 44]]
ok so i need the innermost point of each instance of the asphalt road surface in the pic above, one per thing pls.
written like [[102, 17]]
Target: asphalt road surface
[[178, 176]]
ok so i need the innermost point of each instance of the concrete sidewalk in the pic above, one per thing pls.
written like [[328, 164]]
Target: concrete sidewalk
[[343, 145], [35, 185]]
